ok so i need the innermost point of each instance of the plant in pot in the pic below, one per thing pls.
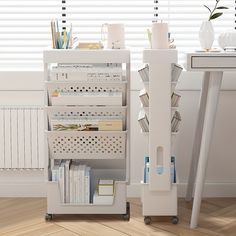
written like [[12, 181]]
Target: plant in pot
[[206, 33]]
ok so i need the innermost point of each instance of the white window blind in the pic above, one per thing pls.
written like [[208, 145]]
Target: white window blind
[[185, 18], [25, 26], [25, 31]]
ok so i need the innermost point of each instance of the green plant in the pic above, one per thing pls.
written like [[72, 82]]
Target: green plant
[[213, 14]]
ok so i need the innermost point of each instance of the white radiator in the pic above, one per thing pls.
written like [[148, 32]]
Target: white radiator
[[21, 137]]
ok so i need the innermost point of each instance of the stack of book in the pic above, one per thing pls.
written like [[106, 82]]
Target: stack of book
[[105, 192], [143, 121], [87, 124], [175, 72], [143, 95], [175, 122], [146, 170], [74, 181], [173, 170], [175, 97], [102, 72], [144, 73]]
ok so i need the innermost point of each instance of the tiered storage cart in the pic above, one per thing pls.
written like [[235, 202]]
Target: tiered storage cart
[[159, 195], [87, 95]]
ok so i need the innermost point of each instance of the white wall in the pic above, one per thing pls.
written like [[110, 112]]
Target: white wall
[[26, 88]]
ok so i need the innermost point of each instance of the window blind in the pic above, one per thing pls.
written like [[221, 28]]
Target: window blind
[[25, 31], [185, 17], [25, 26]]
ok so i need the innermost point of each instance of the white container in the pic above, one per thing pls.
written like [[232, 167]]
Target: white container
[[160, 35], [206, 35], [115, 35], [227, 39]]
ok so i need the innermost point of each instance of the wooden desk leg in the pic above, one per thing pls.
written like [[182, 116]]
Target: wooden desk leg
[[208, 126], [197, 136]]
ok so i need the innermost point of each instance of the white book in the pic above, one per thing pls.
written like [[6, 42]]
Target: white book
[[62, 181], [55, 173], [76, 184], [72, 187], [87, 185], [67, 178], [81, 183]]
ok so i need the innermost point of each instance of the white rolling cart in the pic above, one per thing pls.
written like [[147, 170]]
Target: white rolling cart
[[106, 152], [159, 195]]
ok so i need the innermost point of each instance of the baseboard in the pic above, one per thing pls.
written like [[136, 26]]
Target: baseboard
[[210, 190]]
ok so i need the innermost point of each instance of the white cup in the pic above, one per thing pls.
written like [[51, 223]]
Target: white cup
[[115, 35], [160, 35]]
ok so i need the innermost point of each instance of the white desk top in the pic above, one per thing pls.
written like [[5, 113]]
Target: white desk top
[[211, 61]]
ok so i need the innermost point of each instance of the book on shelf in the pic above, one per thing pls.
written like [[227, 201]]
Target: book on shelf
[[86, 98], [146, 169], [173, 170], [106, 187], [175, 97], [144, 73], [143, 95], [175, 122], [103, 72], [176, 70], [74, 182], [146, 172], [102, 200], [143, 121], [87, 124]]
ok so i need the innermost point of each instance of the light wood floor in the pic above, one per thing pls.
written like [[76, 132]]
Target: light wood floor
[[25, 217]]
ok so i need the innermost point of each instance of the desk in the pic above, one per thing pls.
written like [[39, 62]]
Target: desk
[[213, 65]]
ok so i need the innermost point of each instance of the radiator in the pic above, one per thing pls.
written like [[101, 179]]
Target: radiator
[[21, 137]]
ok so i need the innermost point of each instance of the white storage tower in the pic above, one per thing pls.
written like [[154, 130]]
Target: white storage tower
[[106, 152], [159, 196]]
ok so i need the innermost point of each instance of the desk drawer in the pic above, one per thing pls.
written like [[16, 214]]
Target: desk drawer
[[213, 62]]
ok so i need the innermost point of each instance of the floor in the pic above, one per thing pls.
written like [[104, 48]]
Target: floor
[[25, 217]]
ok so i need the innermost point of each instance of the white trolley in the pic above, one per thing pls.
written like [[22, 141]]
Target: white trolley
[[106, 152], [159, 196]]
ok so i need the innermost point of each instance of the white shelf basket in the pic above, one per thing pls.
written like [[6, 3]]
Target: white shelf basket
[[87, 144], [77, 112], [75, 93]]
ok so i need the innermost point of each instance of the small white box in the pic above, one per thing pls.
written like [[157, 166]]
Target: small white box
[[105, 187], [102, 200]]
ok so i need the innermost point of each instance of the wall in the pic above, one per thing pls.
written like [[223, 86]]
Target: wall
[[21, 88]]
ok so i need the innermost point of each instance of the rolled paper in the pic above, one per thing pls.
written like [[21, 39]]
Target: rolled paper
[[160, 35]]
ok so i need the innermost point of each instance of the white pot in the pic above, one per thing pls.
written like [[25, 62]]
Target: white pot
[[206, 35], [227, 39]]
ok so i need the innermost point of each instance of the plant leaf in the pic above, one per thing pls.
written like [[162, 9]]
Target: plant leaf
[[207, 8], [222, 8], [216, 15]]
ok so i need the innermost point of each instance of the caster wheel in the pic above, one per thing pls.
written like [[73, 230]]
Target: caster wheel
[[48, 217], [126, 216], [175, 220], [147, 220]]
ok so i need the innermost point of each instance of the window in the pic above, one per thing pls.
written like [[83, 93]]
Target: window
[[25, 24], [185, 17]]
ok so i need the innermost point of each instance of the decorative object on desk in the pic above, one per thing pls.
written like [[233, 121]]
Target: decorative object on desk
[[160, 35], [115, 35], [63, 39], [206, 33], [227, 39]]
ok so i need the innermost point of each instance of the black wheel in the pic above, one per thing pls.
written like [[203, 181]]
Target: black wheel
[[48, 217], [175, 220], [126, 216], [147, 220]]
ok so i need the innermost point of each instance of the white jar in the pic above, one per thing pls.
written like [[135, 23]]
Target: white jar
[[227, 39]]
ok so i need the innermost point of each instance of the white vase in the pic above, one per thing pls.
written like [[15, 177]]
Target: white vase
[[206, 35], [227, 39]]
